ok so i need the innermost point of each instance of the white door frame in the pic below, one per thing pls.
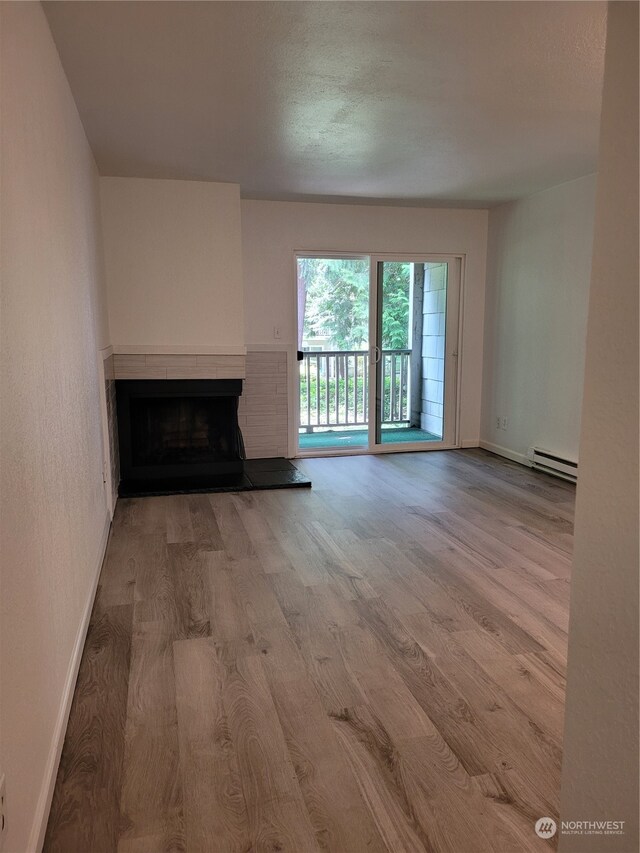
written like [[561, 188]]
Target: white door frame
[[453, 363]]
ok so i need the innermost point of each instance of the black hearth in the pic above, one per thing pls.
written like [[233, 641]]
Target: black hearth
[[179, 434]]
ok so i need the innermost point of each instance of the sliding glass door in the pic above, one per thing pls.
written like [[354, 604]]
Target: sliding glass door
[[416, 353], [333, 352], [377, 350]]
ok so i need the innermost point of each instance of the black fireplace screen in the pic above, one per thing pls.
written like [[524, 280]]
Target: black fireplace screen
[[184, 430]]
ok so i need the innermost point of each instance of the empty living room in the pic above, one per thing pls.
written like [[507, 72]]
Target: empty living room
[[319, 426]]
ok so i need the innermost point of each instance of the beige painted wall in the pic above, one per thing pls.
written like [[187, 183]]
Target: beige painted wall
[[273, 231], [600, 769], [53, 502], [538, 270], [173, 263]]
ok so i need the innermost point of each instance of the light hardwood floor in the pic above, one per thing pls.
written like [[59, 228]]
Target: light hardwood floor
[[376, 664]]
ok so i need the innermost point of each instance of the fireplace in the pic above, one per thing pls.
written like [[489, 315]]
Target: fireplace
[[178, 434]]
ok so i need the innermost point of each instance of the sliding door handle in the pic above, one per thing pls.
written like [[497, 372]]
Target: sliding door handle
[[375, 355]]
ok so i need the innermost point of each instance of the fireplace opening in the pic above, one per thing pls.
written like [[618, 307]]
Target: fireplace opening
[[178, 435], [183, 430]]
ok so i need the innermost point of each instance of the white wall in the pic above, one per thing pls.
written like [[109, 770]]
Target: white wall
[[54, 515], [600, 768], [538, 268], [173, 264], [273, 231]]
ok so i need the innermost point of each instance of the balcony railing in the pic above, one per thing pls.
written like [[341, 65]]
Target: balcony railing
[[334, 388]]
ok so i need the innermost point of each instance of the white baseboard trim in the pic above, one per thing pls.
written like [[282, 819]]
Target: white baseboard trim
[[504, 451], [39, 826], [470, 442]]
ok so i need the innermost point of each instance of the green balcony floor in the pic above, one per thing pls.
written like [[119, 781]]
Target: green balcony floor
[[333, 439]]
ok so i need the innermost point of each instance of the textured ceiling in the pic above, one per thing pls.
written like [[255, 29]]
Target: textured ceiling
[[415, 102]]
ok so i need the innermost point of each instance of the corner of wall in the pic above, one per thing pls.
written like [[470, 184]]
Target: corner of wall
[[536, 300]]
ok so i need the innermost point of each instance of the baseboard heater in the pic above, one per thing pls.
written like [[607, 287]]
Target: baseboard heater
[[551, 463]]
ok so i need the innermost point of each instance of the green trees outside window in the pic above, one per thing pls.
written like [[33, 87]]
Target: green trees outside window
[[337, 303]]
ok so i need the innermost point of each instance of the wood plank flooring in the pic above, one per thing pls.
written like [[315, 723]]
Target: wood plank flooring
[[376, 664]]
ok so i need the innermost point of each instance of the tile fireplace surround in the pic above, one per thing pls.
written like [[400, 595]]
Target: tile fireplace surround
[[263, 410], [179, 366]]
